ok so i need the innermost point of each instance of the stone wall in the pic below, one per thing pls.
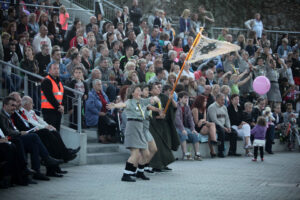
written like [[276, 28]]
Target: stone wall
[[277, 14]]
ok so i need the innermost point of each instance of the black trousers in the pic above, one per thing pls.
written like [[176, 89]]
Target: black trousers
[[270, 137], [52, 117], [53, 143], [222, 136], [104, 129], [261, 149], [33, 145], [9, 163]]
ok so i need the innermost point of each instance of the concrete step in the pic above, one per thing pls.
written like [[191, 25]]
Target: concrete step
[[102, 148], [106, 158], [204, 149]]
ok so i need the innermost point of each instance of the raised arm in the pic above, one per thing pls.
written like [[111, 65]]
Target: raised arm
[[245, 80], [115, 105]]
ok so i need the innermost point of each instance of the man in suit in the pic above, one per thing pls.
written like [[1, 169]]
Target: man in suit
[[29, 142], [51, 140], [209, 77]]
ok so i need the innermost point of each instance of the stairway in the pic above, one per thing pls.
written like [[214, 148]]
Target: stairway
[[98, 153]]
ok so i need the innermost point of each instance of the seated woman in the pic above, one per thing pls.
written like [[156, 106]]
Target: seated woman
[[242, 128], [96, 113], [185, 127], [201, 125]]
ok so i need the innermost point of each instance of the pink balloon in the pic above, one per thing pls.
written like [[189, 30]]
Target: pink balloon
[[261, 85]]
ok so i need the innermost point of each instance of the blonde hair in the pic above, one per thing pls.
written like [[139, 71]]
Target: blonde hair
[[130, 74], [248, 104], [214, 88], [129, 64], [62, 9], [185, 13], [225, 87]]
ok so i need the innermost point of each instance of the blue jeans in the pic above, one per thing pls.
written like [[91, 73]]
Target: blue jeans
[[190, 137]]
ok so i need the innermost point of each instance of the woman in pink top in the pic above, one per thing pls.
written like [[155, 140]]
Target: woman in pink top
[[177, 46], [63, 19]]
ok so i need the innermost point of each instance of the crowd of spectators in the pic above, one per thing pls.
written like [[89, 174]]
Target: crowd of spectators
[[218, 98]]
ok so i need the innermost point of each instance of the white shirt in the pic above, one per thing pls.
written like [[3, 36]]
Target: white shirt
[[257, 26], [38, 41], [189, 74], [34, 119]]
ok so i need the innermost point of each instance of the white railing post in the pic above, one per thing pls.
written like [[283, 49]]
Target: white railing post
[[79, 126]]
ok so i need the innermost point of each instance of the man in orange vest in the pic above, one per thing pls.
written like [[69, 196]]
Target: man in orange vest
[[52, 92]]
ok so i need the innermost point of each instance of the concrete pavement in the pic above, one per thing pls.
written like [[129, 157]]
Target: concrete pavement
[[277, 178]]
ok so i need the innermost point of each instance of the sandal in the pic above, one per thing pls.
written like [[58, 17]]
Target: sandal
[[198, 156], [187, 156]]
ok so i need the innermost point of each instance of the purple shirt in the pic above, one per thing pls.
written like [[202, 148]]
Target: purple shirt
[[259, 132]]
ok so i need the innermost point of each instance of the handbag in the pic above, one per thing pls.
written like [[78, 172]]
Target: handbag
[[109, 120]]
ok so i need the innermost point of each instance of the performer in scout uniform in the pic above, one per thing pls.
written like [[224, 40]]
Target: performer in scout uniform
[[52, 92], [152, 148], [135, 139]]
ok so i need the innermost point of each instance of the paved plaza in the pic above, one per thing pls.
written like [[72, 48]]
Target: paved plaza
[[277, 178]]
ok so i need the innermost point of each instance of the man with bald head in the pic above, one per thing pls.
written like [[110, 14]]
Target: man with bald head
[[14, 127], [52, 92], [95, 74], [40, 39], [217, 113]]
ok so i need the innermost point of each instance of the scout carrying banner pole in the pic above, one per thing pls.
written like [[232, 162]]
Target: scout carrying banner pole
[[199, 35]]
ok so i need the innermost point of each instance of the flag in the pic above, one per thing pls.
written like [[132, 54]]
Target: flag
[[208, 48]]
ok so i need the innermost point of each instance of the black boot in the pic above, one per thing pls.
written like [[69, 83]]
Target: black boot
[[140, 173], [142, 176], [127, 178], [129, 170]]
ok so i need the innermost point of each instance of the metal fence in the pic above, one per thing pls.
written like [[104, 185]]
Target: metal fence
[[14, 78], [87, 4], [273, 35], [109, 10]]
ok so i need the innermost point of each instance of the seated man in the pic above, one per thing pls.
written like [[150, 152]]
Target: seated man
[[217, 113], [10, 168], [185, 126], [30, 142], [53, 143], [58, 150], [96, 113]]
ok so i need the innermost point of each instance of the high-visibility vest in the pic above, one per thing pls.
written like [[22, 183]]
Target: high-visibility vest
[[58, 94]]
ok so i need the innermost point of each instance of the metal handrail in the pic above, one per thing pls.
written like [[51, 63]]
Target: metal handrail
[[112, 4], [27, 73], [44, 6], [36, 76], [269, 31]]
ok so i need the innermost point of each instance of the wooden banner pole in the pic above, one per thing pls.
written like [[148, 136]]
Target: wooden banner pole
[[198, 37]]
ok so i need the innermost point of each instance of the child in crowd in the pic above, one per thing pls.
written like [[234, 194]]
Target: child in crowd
[[118, 72], [259, 134], [268, 115], [224, 79], [235, 82], [290, 121], [78, 84], [176, 70], [201, 83], [185, 127], [150, 73]]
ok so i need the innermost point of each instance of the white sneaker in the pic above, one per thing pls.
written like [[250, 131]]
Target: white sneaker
[[249, 154]]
